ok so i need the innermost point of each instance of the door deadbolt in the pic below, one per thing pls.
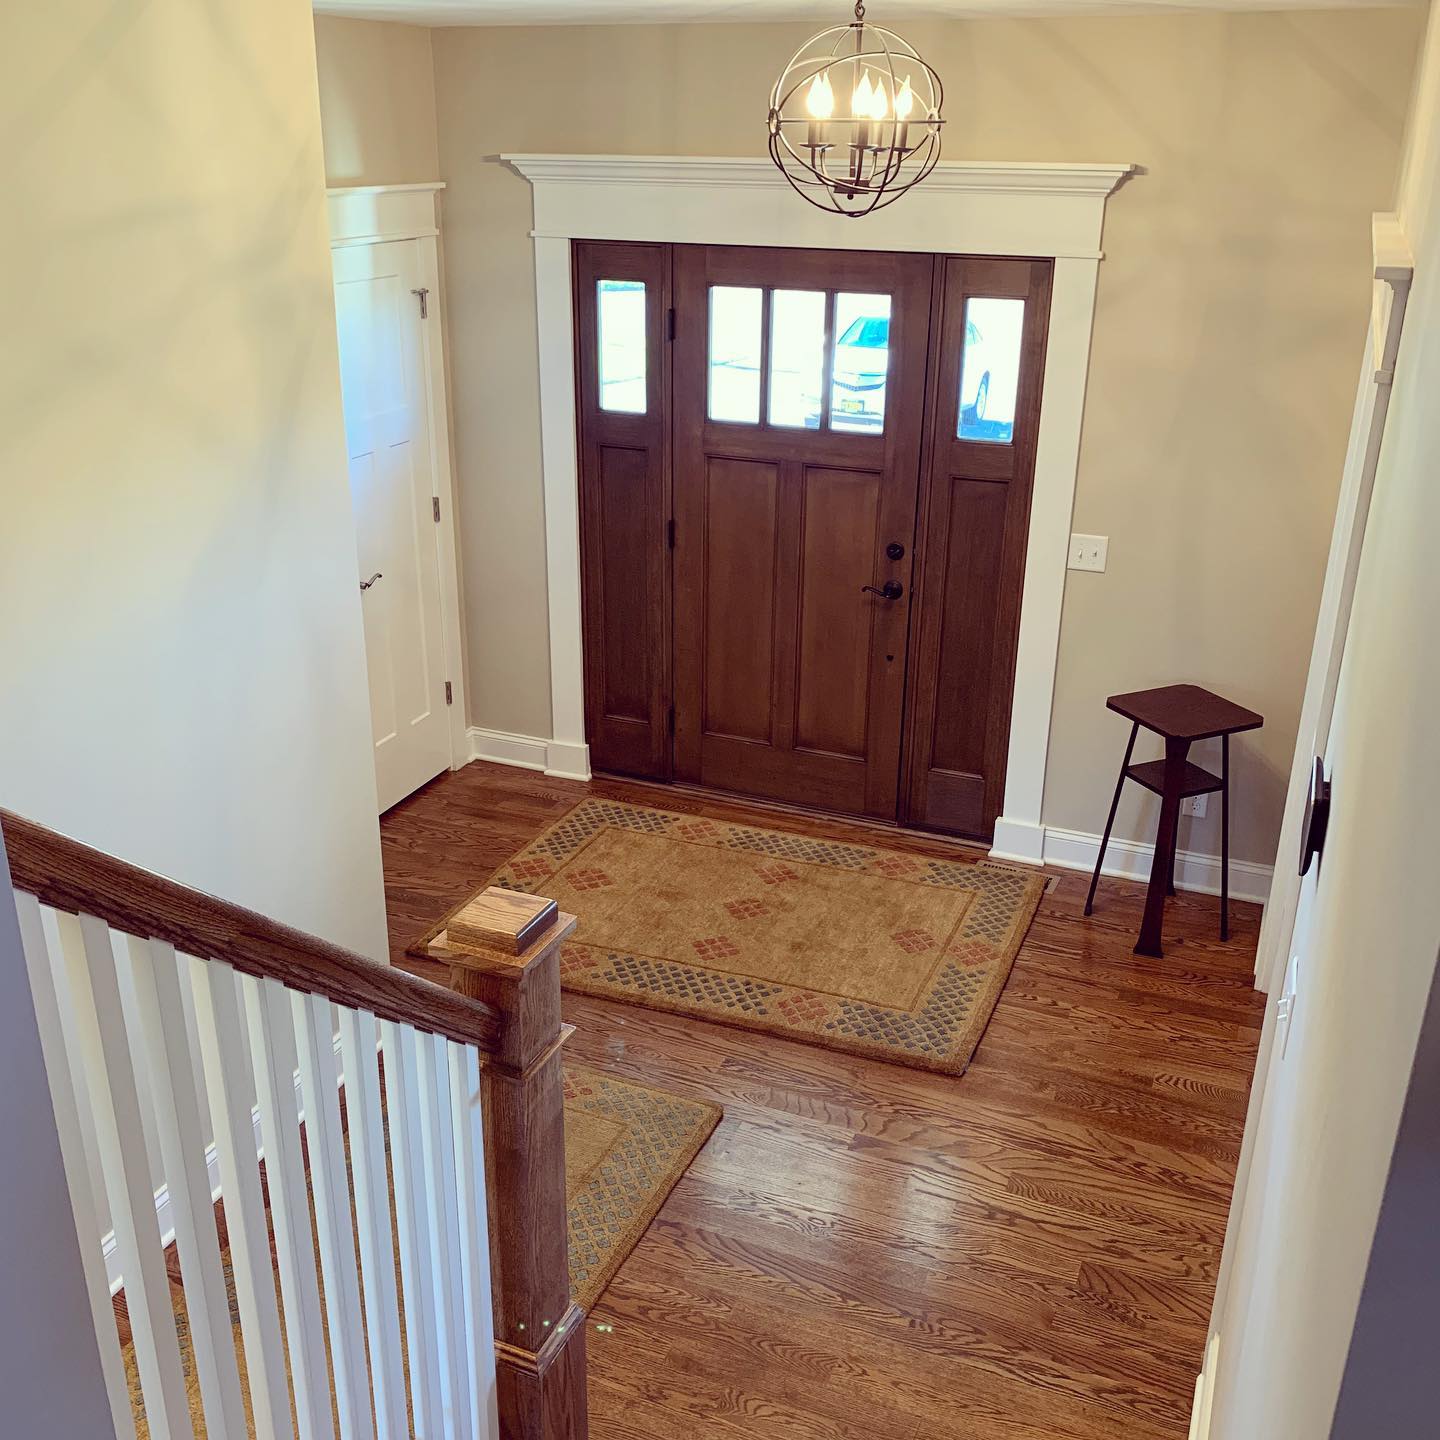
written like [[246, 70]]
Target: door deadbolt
[[895, 550]]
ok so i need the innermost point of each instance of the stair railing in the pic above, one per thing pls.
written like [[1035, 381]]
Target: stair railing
[[388, 1257]]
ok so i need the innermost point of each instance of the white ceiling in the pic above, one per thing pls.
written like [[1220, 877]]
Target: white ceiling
[[606, 12]]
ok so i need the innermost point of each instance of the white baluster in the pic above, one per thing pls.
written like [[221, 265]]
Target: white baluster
[[104, 1045], [181, 1136], [220, 1024], [272, 1046], [476, 1303], [373, 1219], [78, 1173], [325, 1147], [437, 1141], [402, 1094]]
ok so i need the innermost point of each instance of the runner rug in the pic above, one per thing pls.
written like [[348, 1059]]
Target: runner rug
[[626, 1146]]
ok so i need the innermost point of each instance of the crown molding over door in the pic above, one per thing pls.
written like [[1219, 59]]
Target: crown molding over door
[[1047, 211]]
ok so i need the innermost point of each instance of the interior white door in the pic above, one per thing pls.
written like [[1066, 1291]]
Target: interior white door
[[378, 306]]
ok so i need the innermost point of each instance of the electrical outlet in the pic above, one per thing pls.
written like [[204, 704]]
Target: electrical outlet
[[1194, 805], [1088, 552]]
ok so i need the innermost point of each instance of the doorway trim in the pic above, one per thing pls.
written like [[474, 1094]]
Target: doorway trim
[[1053, 212], [376, 215]]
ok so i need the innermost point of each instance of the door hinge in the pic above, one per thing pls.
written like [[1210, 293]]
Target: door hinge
[[435, 507], [670, 323], [670, 534], [670, 719], [424, 303], [449, 694]]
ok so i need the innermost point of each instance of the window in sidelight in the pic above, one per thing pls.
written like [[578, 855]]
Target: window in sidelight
[[990, 369], [620, 307]]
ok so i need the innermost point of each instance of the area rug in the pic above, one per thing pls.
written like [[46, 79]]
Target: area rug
[[857, 948], [626, 1147]]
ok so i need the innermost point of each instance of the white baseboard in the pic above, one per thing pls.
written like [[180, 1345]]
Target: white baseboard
[[1131, 860], [530, 752], [1032, 844], [1021, 841]]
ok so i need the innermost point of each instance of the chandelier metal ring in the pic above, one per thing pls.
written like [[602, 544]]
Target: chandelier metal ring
[[889, 141]]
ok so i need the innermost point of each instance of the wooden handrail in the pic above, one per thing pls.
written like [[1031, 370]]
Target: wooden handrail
[[67, 875]]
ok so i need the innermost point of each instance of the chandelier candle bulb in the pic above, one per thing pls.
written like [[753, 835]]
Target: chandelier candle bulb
[[861, 105], [820, 102], [904, 104]]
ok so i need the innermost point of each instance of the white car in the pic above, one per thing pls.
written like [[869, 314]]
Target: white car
[[862, 362]]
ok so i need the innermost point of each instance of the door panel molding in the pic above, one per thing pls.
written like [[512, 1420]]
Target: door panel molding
[[1045, 211]]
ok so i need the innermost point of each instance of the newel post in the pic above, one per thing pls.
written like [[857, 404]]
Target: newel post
[[504, 948]]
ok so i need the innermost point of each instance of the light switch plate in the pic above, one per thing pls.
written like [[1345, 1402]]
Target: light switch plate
[[1089, 552]]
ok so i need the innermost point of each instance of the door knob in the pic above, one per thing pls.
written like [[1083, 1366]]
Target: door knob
[[366, 584], [890, 590]]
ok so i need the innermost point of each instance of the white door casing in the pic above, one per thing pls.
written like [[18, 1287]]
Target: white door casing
[[1046, 211], [392, 381]]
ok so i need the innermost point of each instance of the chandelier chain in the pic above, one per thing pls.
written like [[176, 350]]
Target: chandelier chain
[[859, 12]]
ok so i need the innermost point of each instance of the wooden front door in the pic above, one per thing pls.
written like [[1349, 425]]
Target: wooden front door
[[798, 403]]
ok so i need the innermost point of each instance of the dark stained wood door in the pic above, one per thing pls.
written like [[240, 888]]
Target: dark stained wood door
[[799, 384], [622, 303], [988, 362]]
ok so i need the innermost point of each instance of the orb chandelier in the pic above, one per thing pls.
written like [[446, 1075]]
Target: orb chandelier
[[886, 139]]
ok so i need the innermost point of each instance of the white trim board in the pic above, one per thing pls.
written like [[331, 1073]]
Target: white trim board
[[530, 752], [1047, 211]]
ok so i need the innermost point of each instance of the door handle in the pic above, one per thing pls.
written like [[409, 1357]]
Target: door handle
[[366, 584], [890, 590]]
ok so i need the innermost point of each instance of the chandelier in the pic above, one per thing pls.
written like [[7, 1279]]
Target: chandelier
[[889, 141]]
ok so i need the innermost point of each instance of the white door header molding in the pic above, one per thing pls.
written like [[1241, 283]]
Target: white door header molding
[[1052, 212], [974, 207], [373, 214]]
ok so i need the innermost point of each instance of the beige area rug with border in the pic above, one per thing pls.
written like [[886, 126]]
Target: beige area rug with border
[[878, 952], [626, 1147]]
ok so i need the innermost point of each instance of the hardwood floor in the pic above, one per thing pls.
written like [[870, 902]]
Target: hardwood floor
[[864, 1251]]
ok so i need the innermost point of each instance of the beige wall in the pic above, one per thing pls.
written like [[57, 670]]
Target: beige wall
[[377, 99], [182, 673], [1231, 313]]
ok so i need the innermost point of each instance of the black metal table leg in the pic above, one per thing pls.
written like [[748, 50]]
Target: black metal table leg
[[1224, 837], [1110, 819]]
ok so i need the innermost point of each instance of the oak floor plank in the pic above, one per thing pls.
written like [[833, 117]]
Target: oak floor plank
[[1027, 1252]]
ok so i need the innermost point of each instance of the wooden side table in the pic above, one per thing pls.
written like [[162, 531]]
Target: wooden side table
[[1180, 715]]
